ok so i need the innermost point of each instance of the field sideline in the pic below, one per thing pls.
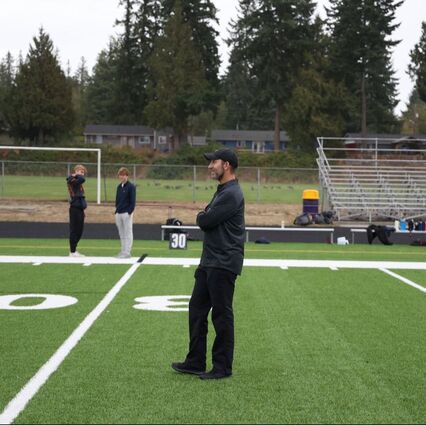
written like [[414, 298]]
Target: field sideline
[[324, 334]]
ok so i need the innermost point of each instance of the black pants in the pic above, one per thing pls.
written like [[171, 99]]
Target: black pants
[[76, 227], [213, 289]]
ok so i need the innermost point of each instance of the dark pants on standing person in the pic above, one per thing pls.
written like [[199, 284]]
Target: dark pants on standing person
[[76, 227], [213, 289]]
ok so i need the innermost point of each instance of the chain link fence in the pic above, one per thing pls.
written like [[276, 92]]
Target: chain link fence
[[160, 183]]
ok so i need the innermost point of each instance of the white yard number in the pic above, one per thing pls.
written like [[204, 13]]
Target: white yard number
[[47, 301], [163, 303], [177, 241]]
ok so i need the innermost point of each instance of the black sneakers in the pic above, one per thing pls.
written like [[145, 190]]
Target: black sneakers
[[184, 368], [215, 374]]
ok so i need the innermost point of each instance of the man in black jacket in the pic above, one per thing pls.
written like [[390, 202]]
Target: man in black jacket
[[78, 204], [125, 202], [221, 261]]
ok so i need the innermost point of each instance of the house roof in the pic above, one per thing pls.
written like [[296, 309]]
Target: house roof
[[243, 135], [387, 138], [118, 130]]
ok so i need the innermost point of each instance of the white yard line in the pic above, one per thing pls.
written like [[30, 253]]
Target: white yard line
[[17, 405], [161, 261], [64, 260], [405, 280]]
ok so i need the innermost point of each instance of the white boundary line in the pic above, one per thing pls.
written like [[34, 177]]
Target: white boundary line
[[19, 402], [161, 261], [405, 280]]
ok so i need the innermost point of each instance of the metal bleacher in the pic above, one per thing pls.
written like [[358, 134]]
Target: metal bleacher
[[372, 179]]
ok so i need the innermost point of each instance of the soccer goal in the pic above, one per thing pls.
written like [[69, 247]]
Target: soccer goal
[[28, 148]]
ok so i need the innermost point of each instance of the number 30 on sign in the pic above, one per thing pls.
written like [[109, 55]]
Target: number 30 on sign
[[177, 241]]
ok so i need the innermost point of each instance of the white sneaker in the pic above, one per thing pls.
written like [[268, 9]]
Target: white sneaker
[[121, 255], [76, 254]]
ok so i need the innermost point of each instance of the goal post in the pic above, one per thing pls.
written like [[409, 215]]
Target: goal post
[[98, 151]]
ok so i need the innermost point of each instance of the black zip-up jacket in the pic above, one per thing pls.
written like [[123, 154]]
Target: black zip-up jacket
[[224, 229], [76, 191], [125, 199]]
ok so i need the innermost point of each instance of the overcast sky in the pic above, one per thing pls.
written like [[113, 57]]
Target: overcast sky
[[83, 27]]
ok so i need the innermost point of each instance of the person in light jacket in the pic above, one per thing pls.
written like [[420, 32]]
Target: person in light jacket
[[125, 202]]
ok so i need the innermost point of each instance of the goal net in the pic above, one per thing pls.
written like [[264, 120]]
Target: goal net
[[33, 177]]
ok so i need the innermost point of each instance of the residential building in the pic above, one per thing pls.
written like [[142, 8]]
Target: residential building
[[140, 137], [257, 141], [385, 141], [134, 136]]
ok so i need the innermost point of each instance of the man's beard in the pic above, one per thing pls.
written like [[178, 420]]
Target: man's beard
[[217, 175]]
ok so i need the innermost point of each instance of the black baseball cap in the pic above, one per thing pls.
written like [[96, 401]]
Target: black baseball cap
[[224, 155]]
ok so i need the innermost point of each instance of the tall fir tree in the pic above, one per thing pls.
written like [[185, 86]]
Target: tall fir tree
[[414, 117], [417, 67], [80, 82], [125, 95], [7, 77], [179, 86], [273, 36], [361, 58], [118, 91], [318, 106], [101, 90], [41, 102], [201, 16], [147, 28], [244, 111]]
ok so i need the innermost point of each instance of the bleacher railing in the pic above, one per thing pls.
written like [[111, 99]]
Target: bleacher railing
[[372, 179]]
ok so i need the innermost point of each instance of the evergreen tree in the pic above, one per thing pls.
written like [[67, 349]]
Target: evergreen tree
[[417, 68], [41, 104], [147, 28], [7, 76], [247, 107], [118, 92], [125, 95], [414, 117], [80, 83], [361, 59], [318, 106], [200, 15], [273, 36], [244, 110], [179, 87], [101, 89]]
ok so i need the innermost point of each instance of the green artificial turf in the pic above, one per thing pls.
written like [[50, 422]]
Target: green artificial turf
[[312, 346], [29, 337]]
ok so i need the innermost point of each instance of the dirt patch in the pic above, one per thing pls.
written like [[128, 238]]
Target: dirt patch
[[145, 213]]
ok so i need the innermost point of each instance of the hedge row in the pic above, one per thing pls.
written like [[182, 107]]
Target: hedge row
[[185, 156]]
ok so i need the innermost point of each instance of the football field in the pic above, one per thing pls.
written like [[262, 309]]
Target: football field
[[324, 334]]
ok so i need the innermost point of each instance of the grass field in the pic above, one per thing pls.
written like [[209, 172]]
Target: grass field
[[313, 345], [54, 188]]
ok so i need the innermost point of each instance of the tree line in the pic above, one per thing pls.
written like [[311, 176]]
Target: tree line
[[288, 69]]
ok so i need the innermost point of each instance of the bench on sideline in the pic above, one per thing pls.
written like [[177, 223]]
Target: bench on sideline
[[330, 230]]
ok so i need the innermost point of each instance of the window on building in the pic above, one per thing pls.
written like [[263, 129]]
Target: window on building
[[144, 140]]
